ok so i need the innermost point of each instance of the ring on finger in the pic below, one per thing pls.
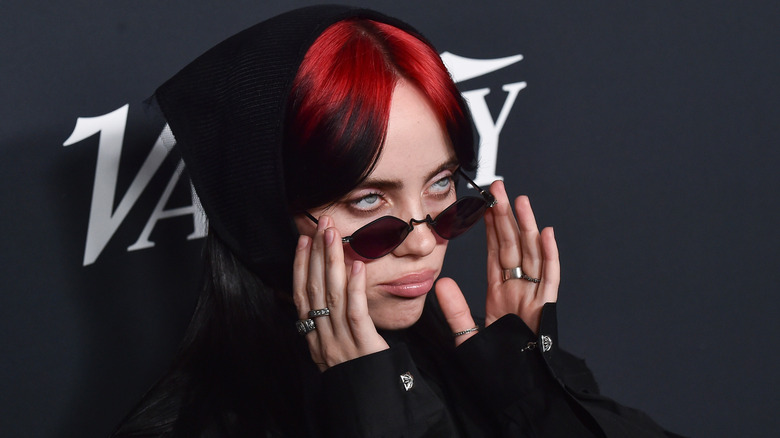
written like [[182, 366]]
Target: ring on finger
[[319, 312], [463, 332], [305, 326], [531, 279], [517, 273]]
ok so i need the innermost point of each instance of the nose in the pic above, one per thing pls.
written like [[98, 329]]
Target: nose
[[420, 242]]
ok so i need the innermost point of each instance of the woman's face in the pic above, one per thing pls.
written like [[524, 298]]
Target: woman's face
[[413, 178]]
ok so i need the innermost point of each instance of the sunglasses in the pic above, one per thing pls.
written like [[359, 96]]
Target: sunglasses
[[381, 236]]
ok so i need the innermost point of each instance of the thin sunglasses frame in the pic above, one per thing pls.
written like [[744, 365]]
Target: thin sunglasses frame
[[487, 197]]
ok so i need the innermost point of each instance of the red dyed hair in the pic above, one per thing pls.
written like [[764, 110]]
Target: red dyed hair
[[340, 103]]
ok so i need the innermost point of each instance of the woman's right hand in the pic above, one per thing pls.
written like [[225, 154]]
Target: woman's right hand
[[320, 280]]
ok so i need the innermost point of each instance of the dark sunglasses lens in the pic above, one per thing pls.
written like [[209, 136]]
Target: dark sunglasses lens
[[459, 217], [379, 237]]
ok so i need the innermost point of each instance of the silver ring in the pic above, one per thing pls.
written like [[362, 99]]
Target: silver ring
[[319, 312], [305, 326], [531, 279], [508, 274], [473, 329], [517, 273]]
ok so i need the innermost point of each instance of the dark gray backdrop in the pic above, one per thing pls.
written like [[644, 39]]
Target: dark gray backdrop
[[647, 135]]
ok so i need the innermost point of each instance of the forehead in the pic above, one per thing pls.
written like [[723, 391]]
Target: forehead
[[416, 142]]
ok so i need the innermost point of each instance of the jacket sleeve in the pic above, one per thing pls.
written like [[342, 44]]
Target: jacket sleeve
[[529, 387], [383, 395]]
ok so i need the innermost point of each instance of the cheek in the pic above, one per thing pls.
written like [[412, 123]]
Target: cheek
[[440, 251], [304, 225]]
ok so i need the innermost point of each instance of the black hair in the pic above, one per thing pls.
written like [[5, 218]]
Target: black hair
[[238, 365], [242, 370]]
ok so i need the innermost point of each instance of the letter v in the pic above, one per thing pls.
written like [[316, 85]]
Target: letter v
[[103, 222]]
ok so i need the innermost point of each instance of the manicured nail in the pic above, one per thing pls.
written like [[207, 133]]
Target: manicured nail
[[357, 266], [329, 235], [303, 242]]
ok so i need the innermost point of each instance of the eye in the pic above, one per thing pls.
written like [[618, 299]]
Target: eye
[[442, 186], [367, 202]]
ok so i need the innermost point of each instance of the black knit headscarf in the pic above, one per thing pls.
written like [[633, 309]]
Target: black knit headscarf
[[226, 110]]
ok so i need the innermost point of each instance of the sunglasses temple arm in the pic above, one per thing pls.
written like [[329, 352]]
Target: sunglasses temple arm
[[491, 200], [314, 219]]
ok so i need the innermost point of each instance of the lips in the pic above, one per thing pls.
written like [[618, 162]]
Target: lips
[[411, 285]]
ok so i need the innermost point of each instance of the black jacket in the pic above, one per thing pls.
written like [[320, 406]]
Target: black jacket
[[503, 382]]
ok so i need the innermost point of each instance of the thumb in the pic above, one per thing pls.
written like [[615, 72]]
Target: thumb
[[456, 310]]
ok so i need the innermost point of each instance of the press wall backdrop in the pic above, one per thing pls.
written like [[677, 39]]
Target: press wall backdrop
[[645, 132]]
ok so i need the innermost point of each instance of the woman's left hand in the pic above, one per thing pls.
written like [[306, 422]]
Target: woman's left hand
[[510, 243], [518, 243]]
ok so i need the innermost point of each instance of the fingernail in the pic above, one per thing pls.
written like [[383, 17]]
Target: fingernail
[[329, 235], [303, 242], [323, 223], [357, 266]]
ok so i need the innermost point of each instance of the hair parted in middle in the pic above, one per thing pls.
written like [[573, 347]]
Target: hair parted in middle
[[340, 104], [241, 366]]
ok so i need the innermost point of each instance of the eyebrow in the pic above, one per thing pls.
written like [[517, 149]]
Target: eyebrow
[[395, 184]]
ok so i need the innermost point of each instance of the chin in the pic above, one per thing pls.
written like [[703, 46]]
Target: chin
[[398, 324], [398, 316]]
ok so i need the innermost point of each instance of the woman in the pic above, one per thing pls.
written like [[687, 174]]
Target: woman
[[325, 145]]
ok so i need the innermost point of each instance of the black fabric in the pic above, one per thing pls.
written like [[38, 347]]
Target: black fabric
[[490, 386], [225, 110], [498, 384]]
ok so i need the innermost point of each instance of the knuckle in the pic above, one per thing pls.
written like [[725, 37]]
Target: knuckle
[[508, 241], [332, 258], [550, 283], [354, 317], [298, 300], [459, 314], [331, 356], [333, 300], [315, 290]]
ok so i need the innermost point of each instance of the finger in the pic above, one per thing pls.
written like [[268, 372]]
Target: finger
[[493, 266], [529, 235], [456, 310], [300, 276], [335, 282], [551, 275], [507, 232], [316, 285], [360, 324], [300, 296]]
